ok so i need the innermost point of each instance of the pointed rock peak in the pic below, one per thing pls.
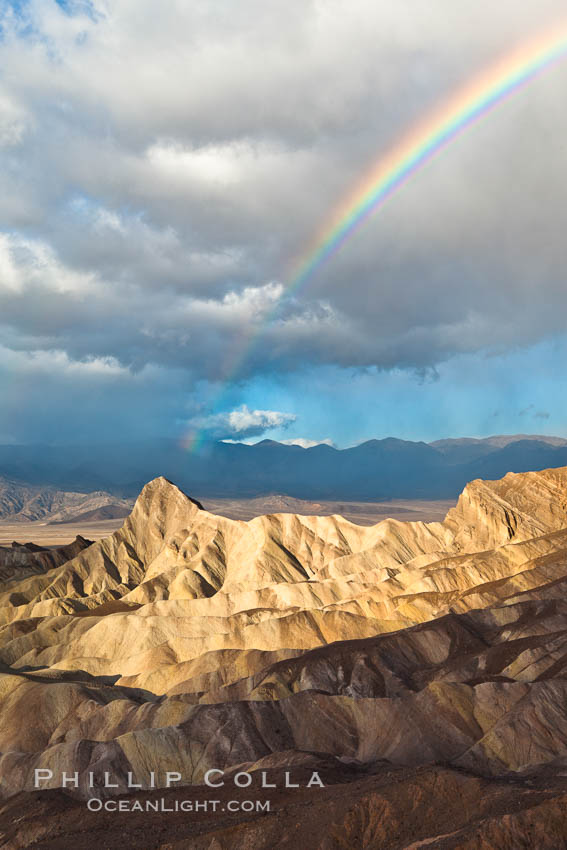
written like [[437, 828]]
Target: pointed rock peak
[[161, 510], [162, 487], [161, 504]]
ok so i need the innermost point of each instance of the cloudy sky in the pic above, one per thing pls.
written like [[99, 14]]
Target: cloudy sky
[[165, 166]]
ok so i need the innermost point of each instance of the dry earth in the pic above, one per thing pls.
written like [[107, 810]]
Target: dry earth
[[419, 666], [361, 513], [44, 534], [56, 532]]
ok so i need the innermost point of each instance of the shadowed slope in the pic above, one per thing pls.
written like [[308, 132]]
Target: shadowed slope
[[187, 641]]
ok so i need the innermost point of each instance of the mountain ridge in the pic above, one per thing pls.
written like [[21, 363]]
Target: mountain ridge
[[376, 470], [23, 502]]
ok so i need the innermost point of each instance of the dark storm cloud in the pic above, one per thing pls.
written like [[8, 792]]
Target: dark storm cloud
[[160, 173]]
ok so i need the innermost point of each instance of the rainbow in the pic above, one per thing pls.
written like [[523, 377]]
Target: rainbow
[[424, 142], [396, 168]]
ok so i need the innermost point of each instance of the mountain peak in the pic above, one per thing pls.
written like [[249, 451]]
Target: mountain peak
[[248, 639], [165, 488]]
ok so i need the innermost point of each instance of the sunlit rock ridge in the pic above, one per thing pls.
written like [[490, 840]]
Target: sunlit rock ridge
[[186, 641]]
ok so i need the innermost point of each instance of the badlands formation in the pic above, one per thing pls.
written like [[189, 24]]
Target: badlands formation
[[419, 668]]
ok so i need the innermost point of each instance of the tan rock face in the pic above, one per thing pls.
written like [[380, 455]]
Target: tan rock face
[[23, 559], [187, 641]]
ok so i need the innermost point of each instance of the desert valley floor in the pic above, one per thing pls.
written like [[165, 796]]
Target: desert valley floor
[[63, 528], [419, 668]]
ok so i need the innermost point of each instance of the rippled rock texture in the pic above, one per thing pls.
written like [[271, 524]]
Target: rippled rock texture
[[422, 665]]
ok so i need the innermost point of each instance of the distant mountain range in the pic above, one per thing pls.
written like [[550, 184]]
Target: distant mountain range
[[21, 502], [375, 470]]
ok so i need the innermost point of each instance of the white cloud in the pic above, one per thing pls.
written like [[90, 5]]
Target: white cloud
[[215, 164], [160, 175], [210, 146], [13, 122], [241, 423], [28, 264], [57, 362], [306, 444]]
